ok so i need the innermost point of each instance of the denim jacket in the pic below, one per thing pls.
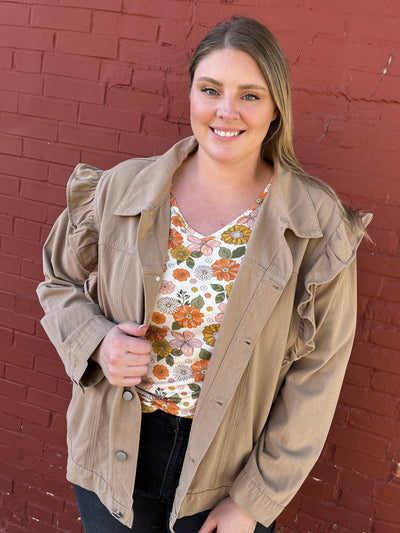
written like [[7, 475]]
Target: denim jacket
[[274, 379]]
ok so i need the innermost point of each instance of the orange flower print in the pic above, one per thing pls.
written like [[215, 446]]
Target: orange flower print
[[160, 372], [178, 221], [181, 274], [166, 405], [199, 370], [158, 318], [154, 333], [226, 269], [175, 239], [228, 289], [210, 334], [188, 316]]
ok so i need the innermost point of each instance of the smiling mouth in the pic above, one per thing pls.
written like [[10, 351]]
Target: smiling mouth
[[224, 133]]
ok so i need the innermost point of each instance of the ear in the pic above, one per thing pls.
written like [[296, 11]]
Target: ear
[[275, 114]]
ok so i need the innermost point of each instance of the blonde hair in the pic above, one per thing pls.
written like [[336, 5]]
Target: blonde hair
[[250, 36]]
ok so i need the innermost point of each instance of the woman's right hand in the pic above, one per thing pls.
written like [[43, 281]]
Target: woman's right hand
[[123, 355]]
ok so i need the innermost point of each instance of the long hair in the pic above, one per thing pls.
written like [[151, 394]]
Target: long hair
[[252, 37]]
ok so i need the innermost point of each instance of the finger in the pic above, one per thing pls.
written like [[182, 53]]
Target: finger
[[133, 329]]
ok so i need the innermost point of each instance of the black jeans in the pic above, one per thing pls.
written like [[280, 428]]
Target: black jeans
[[163, 443]]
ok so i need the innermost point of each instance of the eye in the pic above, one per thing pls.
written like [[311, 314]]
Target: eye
[[209, 90], [250, 97]]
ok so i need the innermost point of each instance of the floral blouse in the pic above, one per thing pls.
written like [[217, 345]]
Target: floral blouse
[[199, 275]]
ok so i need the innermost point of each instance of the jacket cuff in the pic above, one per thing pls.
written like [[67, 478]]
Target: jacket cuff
[[249, 497]]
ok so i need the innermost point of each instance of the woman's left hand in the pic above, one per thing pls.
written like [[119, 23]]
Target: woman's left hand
[[227, 517]]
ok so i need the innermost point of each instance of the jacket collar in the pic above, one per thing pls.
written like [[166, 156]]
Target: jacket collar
[[151, 186]]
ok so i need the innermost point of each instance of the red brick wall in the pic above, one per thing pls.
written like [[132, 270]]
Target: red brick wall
[[103, 80]]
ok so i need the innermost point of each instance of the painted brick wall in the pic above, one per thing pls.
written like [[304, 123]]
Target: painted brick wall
[[103, 80]]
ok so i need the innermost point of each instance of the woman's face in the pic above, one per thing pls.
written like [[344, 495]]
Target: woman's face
[[231, 107]]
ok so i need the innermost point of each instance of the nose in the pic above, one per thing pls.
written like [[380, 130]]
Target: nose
[[227, 108]]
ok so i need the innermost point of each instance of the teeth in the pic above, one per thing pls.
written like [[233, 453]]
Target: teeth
[[227, 133]]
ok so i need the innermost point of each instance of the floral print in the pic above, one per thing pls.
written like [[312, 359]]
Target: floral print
[[200, 272]]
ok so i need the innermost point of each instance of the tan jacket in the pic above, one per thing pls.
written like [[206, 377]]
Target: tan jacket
[[274, 378]]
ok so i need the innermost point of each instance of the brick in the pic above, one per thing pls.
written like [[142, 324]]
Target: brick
[[388, 493], [376, 357], [359, 376], [61, 18], [386, 382], [21, 82], [23, 209], [137, 101], [102, 159], [385, 312], [10, 264], [388, 512], [357, 503], [31, 270], [358, 483], [44, 400], [27, 61], [385, 335], [74, 66], [27, 230], [6, 58], [88, 136], [12, 390], [370, 401], [142, 145], [113, 72], [48, 435], [28, 412], [117, 119], [149, 55], [77, 90], [391, 292], [10, 186], [59, 174], [21, 248], [29, 127], [87, 44], [37, 497], [149, 80], [7, 301], [54, 152], [334, 515], [106, 5], [6, 337], [358, 441], [174, 10], [14, 14], [53, 366], [160, 128], [10, 144], [6, 224], [8, 101], [374, 424], [31, 378], [43, 192], [15, 509], [18, 322], [26, 38], [385, 527], [48, 108], [361, 463], [128, 26]]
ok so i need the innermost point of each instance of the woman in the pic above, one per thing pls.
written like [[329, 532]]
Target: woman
[[204, 305]]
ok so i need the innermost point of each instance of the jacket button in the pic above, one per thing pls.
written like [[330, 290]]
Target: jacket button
[[117, 514], [127, 396], [158, 278], [121, 456]]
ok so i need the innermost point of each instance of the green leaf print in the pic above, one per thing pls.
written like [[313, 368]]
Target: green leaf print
[[238, 252], [197, 254], [197, 302], [216, 287], [176, 325], [175, 398], [169, 360], [190, 262], [176, 353], [196, 390], [225, 253], [220, 298], [205, 355]]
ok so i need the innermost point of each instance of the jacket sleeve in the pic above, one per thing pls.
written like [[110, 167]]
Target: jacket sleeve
[[301, 416], [73, 319]]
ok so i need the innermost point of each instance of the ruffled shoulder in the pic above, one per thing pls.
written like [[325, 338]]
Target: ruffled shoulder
[[338, 252], [81, 190]]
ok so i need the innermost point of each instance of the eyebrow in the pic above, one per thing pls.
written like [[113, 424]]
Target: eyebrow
[[246, 87]]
